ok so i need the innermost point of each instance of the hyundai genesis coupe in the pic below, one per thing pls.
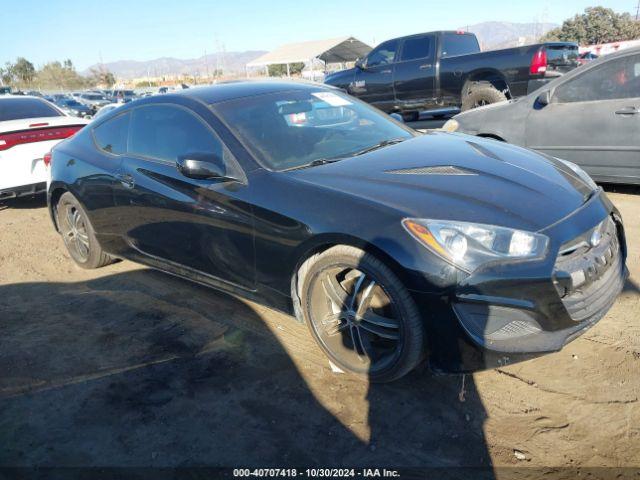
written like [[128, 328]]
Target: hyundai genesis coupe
[[392, 246]]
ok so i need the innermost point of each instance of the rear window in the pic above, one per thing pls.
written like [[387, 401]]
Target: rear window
[[19, 108], [562, 55], [454, 44]]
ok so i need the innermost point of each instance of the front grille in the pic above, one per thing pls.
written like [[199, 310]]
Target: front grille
[[589, 277]]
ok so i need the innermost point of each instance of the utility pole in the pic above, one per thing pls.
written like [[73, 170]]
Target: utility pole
[[637, 10]]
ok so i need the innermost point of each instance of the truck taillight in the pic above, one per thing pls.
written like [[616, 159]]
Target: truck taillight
[[8, 140], [538, 62], [47, 159]]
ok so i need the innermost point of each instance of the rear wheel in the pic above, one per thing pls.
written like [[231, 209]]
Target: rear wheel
[[360, 314], [78, 235], [479, 94]]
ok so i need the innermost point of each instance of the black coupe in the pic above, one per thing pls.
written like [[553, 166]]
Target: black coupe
[[392, 246]]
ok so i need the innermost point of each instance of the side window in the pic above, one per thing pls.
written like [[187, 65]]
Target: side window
[[612, 80], [166, 132], [383, 54], [415, 48], [111, 136], [454, 44]]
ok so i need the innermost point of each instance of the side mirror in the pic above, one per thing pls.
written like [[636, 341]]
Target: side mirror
[[360, 64], [397, 117], [544, 98], [201, 166]]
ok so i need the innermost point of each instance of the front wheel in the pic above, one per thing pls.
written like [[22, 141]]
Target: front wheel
[[360, 314], [78, 235]]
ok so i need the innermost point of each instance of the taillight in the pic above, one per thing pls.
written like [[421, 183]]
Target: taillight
[[8, 140], [538, 62], [47, 159]]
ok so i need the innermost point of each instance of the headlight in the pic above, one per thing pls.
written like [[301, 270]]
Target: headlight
[[470, 245], [584, 176], [450, 126]]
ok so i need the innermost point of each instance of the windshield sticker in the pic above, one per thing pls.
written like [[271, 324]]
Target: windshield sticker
[[332, 99]]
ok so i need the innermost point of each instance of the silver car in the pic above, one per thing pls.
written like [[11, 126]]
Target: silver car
[[590, 116]]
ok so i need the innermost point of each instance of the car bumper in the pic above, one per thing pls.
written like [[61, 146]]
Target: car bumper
[[23, 191], [513, 312]]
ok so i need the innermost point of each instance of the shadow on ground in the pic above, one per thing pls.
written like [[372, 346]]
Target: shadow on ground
[[143, 369]]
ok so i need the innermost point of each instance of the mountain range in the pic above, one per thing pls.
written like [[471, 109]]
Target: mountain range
[[492, 35]]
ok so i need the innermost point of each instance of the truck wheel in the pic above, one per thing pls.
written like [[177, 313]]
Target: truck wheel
[[411, 116], [479, 94]]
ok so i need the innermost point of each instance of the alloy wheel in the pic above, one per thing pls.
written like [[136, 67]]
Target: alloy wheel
[[74, 232], [355, 319]]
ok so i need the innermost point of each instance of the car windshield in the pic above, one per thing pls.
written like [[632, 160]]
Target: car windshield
[[19, 108], [292, 129]]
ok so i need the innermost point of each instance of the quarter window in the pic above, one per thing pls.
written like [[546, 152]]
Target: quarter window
[[415, 48], [383, 54], [166, 132], [612, 80], [111, 136]]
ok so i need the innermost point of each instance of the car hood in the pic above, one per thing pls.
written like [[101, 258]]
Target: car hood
[[340, 77], [458, 177]]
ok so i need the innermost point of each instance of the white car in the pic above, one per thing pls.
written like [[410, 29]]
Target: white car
[[29, 128]]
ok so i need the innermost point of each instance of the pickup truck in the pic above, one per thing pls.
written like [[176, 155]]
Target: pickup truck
[[444, 70]]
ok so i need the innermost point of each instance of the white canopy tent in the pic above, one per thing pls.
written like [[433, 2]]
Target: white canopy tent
[[333, 50]]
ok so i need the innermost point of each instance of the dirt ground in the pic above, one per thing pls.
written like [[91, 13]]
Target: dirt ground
[[125, 366]]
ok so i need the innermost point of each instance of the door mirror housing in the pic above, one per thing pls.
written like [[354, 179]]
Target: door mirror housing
[[360, 64], [202, 166], [544, 98]]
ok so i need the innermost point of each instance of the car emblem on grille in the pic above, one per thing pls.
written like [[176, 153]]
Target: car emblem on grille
[[595, 239]]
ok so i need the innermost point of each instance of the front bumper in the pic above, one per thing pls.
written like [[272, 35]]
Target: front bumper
[[511, 312]]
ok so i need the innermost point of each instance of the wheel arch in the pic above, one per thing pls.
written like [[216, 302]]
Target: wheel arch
[[325, 241], [55, 192], [490, 75]]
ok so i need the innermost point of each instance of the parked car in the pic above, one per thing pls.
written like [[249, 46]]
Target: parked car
[[437, 70], [29, 128], [390, 245], [586, 57], [123, 96], [590, 116], [73, 107], [93, 100], [105, 109], [5, 90]]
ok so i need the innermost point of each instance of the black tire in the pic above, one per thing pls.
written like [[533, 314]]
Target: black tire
[[410, 116], [78, 234], [481, 93], [382, 314]]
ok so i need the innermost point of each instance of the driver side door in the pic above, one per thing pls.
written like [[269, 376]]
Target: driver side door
[[190, 226], [373, 81]]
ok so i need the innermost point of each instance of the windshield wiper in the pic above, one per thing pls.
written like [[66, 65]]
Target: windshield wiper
[[315, 163], [383, 143]]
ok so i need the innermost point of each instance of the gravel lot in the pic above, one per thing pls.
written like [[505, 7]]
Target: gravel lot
[[125, 366]]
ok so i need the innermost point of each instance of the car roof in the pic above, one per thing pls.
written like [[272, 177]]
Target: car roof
[[247, 88]]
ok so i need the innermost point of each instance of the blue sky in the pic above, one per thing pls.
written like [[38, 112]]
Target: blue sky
[[86, 30]]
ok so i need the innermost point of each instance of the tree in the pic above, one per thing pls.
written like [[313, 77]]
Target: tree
[[7, 74], [281, 70], [102, 77], [595, 25], [55, 75]]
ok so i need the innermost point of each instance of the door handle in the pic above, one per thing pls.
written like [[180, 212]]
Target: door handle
[[628, 111], [126, 180], [425, 66], [385, 71]]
